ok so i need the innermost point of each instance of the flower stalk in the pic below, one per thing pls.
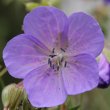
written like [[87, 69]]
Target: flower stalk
[[3, 72]]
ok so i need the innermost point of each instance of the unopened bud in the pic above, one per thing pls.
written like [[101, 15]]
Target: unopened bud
[[12, 95], [104, 72]]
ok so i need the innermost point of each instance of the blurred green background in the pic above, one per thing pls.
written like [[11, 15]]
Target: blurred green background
[[12, 13]]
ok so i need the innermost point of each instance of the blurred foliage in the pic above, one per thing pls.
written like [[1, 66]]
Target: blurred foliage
[[98, 99], [106, 52], [101, 13], [75, 108], [32, 5], [12, 13]]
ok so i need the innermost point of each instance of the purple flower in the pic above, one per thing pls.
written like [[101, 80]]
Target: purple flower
[[107, 1], [104, 72], [56, 55]]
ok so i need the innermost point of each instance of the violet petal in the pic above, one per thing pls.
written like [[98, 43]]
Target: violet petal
[[80, 74], [47, 24], [85, 35], [44, 87], [22, 54], [104, 72]]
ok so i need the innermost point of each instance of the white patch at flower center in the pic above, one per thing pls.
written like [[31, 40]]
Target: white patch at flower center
[[57, 59]]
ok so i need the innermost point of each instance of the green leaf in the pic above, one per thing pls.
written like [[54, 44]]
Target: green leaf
[[7, 2]]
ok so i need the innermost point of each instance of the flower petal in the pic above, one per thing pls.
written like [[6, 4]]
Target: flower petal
[[22, 54], [104, 72], [47, 24], [45, 87], [80, 74], [85, 35]]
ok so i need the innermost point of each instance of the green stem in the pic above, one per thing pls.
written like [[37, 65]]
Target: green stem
[[81, 101], [2, 83], [3, 72]]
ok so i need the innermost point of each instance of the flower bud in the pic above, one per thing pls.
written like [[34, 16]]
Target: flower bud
[[104, 72], [12, 95]]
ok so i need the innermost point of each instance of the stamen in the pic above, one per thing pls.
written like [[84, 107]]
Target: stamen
[[57, 68], [62, 49], [49, 62], [52, 56], [62, 59], [59, 60], [65, 64], [53, 51], [53, 66]]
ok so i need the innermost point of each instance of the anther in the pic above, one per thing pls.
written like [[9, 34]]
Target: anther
[[53, 66], [62, 49], [65, 64], [53, 51], [52, 56], [57, 68], [49, 62]]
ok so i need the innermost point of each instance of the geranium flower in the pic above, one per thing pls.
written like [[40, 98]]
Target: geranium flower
[[55, 56], [104, 72]]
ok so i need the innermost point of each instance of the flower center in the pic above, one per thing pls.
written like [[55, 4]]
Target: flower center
[[57, 59]]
